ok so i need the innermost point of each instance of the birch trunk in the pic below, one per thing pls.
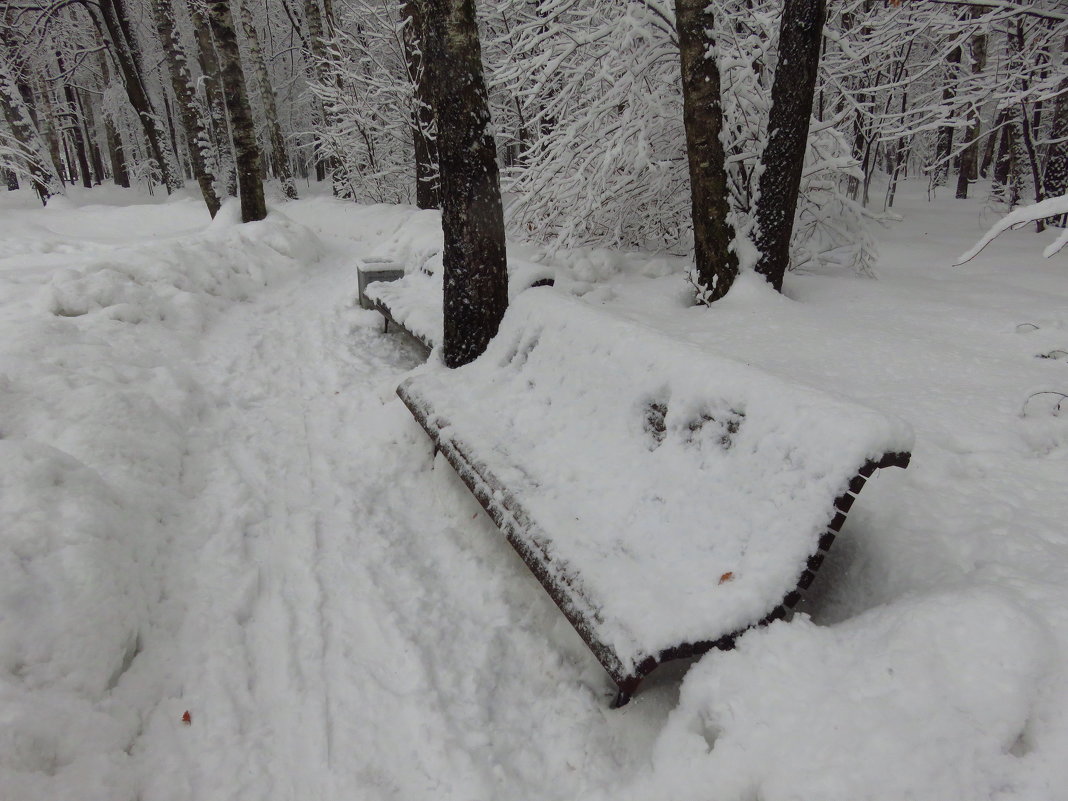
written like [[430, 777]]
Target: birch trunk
[[196, 132], [242, 127]]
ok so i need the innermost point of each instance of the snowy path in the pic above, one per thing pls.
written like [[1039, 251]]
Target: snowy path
[[330, 646]]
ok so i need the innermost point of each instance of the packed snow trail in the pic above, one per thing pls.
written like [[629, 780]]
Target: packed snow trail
[[331, 647]]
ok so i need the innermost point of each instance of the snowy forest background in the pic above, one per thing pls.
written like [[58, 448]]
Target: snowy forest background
[[586, 106]]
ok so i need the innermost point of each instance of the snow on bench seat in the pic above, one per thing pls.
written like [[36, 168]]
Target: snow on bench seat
[[665, 497], [414, 301]]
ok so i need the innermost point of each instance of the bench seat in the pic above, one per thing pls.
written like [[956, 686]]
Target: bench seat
[[665, 497]]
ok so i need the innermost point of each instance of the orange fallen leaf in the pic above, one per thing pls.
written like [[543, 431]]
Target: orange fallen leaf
[[728, 576], [187, 719]]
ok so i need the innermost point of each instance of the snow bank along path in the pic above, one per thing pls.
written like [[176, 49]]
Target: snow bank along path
[[211, 501]]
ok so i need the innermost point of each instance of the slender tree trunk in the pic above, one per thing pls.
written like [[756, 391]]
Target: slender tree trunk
[[42, 101], [1055, 178], [969, 157], [279, 156], [991, 143], [716, 264], [196, 133], [11, 178], [1006, 181], [74, 125], [326, 163], [945, 133], [476, 277], [427, 185], [222, 162], [85, 105], [800, 35], [246, 148], [127, 56]]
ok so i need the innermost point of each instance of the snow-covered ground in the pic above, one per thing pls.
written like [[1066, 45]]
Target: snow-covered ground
[[211, 501]]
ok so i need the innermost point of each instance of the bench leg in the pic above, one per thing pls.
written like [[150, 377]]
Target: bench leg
[[385, 324], [622, 699]]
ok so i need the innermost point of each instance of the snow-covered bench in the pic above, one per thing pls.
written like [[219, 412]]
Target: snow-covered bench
[[666, 498], [411, 300]]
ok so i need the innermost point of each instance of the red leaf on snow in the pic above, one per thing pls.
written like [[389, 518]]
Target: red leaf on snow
[[187, 719]]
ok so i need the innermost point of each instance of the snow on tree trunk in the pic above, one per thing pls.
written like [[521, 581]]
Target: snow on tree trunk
[[716, 264], [800, 35], [427, 185], [242, 127], [475, 276], [224, 169], [279, 156], [196, 132]]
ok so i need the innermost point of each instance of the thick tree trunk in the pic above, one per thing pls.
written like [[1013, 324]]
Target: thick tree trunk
[[476, 278], [716, 265], [196, 132], [427, 185], [800, 36], [246, 149], [128, 59], [279, 156]]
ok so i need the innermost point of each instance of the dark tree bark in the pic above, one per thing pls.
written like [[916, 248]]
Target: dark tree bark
[[126, 53], [11, 179], [279, 157], [800, 36], [196, 132], [969, 157], [242, 127], [716, 264], [476, 278]]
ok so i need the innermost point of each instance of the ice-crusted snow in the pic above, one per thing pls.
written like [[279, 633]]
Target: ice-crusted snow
[[736, 478], [212, 501]]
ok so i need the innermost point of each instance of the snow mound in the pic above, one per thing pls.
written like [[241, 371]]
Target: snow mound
[[928, 698], [172, 282]]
